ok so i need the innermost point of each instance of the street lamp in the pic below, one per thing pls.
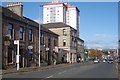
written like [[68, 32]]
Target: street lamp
[[39, 37]]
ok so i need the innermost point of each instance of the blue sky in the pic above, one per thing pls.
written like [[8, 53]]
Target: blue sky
[[98, 21]]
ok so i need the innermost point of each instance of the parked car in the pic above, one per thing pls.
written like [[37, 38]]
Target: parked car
[[104, 61], [110, 61], [96, 61]]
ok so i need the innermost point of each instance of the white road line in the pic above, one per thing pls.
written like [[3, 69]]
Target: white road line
[[49, 76], [62, 72], [72, 68], [43, 79]]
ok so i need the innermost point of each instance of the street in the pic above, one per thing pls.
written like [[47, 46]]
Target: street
[[79, 70]]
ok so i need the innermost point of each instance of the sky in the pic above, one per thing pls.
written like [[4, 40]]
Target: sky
[[98, 21]]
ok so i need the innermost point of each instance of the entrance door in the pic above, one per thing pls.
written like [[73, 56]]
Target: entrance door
[[49, 58], [21, 58]]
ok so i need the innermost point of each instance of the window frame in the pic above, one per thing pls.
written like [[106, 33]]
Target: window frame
[[11, 30], [64, 42], [64, 32], [21, 33], [30, 35]]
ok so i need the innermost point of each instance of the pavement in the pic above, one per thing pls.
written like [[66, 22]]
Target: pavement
[[30, 69], [118, 65], [36, 68]]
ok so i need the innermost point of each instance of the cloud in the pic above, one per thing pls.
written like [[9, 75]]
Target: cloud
[[102, 44], [103, 36]]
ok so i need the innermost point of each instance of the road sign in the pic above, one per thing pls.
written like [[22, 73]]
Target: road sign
[[17, 58], [30, 47], [16, 41]]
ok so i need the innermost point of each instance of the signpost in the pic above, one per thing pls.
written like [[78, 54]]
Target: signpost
[[16, 42]]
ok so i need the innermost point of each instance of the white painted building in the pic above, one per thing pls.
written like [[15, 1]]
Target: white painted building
[[61, 12], [54, 12]]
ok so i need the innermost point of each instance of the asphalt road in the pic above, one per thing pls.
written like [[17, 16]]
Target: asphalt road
[[87, 70]]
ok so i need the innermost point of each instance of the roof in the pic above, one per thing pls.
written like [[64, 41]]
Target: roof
[[55, 25], [80, 39], [70, 6], [9, 14], [66, 5], [53, 3], [47, 30], [32, 21]]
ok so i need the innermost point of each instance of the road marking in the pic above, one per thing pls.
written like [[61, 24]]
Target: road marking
[[43, 79], [49, 76], [62, 72], [72, 68]]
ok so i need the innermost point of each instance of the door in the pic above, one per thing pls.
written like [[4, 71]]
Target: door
[[21, 58]]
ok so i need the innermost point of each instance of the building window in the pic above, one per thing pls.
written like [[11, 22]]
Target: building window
[[10, 55], [30, 34], [10, 29], [42, 38], [21, 32], [64, 32], [49, 40], [55, 42], [64, 42], [30, 54]]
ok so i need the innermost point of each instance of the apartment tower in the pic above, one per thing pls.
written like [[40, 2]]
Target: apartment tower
[[61, 12]]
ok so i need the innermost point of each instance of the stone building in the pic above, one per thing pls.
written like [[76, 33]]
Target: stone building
[[80, 49], [17, 27], [49, 47], [23, 29], [67, 39]]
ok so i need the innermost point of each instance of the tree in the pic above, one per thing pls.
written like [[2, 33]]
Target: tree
[[92, 53]]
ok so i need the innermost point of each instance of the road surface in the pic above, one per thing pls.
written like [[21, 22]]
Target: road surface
[[86, 70]]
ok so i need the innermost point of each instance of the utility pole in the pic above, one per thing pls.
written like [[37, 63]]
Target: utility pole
[[39, 39]]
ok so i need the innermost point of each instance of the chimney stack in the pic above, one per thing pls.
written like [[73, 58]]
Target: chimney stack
[[16, 7]]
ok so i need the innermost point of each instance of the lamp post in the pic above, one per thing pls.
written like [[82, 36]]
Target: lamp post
[[39, 37], [39, 44]]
